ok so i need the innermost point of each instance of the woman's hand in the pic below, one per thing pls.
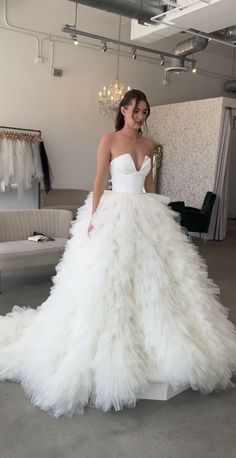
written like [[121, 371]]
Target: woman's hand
[[90, 228]]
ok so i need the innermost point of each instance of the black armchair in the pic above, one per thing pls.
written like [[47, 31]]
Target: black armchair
[[196, 219]]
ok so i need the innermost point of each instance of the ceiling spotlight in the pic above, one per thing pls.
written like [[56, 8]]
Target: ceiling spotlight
[[104, 48], [75, 39], [162, 62], [194, 68], [134, 54]]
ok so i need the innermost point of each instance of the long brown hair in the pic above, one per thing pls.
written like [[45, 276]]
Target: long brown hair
[[133, 94]]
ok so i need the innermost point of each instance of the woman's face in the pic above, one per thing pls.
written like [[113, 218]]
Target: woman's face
[[135, 116]]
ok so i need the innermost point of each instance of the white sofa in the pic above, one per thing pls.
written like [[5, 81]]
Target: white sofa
[[15, 227]]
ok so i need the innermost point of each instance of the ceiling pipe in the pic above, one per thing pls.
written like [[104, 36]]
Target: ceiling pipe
[[190, 46], [228, 34], [140, 10]]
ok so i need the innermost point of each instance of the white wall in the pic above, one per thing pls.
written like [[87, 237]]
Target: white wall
[[66, 109]]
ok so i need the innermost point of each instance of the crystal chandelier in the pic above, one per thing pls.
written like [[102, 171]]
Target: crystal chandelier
[[111, 95]]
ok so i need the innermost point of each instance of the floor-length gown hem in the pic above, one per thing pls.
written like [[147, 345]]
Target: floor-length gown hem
[[130, 304]]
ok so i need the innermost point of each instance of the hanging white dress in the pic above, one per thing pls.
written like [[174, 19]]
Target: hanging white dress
[[19, 165], [24, 164], [7, 170], [131, 304]]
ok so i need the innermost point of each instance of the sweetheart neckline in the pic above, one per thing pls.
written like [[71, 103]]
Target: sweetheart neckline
[[131, 157]]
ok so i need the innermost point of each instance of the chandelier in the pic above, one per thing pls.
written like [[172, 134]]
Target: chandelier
[[111, 95]]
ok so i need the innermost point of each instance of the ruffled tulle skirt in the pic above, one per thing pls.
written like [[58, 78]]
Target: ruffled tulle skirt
[[131, 304]]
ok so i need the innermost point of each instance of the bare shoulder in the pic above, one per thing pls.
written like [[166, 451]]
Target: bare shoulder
[[106, 139], [149, 145], [105, 145]]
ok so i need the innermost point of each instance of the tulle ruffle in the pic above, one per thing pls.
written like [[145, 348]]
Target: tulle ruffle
[[129, 305]]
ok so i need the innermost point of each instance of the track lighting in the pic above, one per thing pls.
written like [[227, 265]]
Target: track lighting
[[75, 39], [134, 55], [194, 68], [162, 62], [104, 48]]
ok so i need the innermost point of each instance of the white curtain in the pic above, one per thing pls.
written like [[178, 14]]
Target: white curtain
[[217, 229]]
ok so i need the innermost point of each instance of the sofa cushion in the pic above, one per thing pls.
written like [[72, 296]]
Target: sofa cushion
[[23, 253]]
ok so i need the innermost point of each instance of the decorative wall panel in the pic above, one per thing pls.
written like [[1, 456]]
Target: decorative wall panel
[[189, 133]]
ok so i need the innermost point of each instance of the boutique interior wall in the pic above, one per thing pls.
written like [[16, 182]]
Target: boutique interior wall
[[65, 108], [190, 142]]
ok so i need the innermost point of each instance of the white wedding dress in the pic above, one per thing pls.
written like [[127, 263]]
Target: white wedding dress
[[131, 304]]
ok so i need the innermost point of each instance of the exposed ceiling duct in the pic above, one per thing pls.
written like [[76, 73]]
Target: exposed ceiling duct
[[144, 12], [139, 9], [175, 65], [134, 9], [183, 49], [208, 16], [228, 34], [190, 46]]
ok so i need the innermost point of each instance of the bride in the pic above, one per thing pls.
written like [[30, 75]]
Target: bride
[[131, 301]]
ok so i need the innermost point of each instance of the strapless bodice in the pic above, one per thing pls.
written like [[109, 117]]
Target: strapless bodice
[[125, 177]]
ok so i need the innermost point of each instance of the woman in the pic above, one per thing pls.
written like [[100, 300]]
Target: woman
[[131, 301], [130, 118]]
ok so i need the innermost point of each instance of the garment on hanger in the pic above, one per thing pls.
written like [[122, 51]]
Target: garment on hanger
[[37, 162], [22, 162], [7, 164]]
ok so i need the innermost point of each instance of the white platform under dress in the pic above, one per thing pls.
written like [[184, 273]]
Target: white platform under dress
[[130, 305]]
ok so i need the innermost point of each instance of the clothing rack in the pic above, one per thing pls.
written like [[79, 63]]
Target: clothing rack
[[19, 133], [27, 130], [20, 128]]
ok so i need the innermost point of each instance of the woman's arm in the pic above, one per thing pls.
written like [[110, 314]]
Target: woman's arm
[[149, 183], [103, 161]]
